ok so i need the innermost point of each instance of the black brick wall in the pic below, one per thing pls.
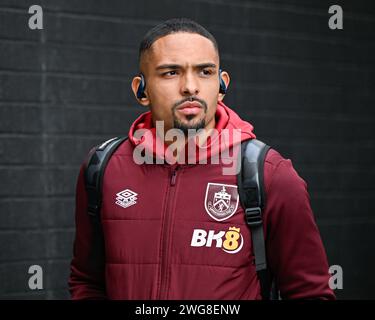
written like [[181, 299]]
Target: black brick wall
[[308, 90]]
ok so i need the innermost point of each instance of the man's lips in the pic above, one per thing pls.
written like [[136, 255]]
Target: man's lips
[[189, 107]]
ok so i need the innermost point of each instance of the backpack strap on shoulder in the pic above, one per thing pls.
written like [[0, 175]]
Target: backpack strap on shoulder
[[96, 164], [253, 200]]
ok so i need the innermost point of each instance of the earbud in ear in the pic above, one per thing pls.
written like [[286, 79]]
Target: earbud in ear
[[223, 87], [141, 88]]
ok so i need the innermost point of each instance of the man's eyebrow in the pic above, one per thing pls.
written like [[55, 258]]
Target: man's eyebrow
[[205, 65], [177, 66], [168, 66]]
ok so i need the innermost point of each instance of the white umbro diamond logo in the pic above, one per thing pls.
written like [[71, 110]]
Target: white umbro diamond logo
[[126, 198]]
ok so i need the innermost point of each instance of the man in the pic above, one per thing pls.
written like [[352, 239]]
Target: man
[[160, 234]]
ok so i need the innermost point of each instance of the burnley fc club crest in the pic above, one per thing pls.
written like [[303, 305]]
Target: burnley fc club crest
[[221, 200]]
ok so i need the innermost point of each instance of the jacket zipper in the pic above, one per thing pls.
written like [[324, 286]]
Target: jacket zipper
[[163, 285]]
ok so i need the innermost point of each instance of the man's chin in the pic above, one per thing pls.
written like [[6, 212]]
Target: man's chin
[[189, 125]]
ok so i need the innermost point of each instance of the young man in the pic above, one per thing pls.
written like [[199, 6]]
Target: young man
[[176, 230]]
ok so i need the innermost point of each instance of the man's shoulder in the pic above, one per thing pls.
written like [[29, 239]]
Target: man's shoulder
[[273, 158], [122, 149], [279, 171]]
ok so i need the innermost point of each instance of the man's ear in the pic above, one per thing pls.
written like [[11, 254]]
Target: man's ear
[[136, 82], [226, 79]]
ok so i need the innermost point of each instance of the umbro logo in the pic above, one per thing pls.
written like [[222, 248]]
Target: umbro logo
[[126, 198]]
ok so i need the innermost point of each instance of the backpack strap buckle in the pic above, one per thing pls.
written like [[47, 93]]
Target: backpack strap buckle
[[253, 216]]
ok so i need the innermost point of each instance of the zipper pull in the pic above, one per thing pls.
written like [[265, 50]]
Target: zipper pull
[[173, 177]]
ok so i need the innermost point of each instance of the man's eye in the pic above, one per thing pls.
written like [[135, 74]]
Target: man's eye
[[206, 72], [170, 73]]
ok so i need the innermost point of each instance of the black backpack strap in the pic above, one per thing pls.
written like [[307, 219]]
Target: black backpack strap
[[94, 173], [253, 200]]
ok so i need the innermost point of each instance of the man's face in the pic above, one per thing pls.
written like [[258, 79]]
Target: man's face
[[182, 81]]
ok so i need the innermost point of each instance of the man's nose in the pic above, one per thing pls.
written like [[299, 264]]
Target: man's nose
[[190, 85]]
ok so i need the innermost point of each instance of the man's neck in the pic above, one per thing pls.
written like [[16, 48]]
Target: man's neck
[[200, 137]]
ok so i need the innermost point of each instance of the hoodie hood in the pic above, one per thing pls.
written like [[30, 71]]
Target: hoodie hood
[[230, 130]]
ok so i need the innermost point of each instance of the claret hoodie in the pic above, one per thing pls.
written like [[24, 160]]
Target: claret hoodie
[[177, 231]]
